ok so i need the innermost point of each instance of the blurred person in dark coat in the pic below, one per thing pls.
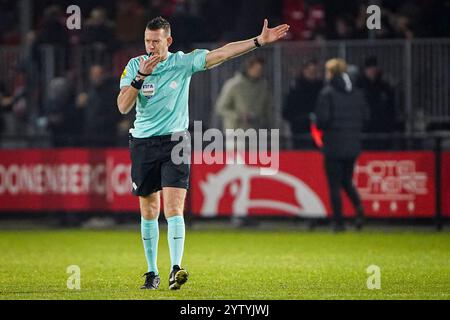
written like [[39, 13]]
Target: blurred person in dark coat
[[301, 101], [99, 30], [5, 105], [101, 121], [341, 112], [61, 115], [380, 97]]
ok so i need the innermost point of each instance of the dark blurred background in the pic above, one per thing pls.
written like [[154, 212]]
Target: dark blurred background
[[58, 86]]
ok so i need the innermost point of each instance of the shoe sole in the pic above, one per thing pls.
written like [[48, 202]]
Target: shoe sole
[[180, 278]]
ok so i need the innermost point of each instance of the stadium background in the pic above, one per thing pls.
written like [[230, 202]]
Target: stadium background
[[59, 169]]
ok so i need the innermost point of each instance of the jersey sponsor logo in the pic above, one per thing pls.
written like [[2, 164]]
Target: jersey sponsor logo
[[148, 90], [173, 85]]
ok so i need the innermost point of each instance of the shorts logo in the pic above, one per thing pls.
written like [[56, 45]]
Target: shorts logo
[[134, 186], [148, 90]]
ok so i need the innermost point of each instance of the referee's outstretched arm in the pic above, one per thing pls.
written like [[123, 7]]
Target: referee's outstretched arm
[[235, 49], [157, 43]]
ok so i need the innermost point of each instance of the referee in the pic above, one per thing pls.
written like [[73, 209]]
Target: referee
[[158, 84]]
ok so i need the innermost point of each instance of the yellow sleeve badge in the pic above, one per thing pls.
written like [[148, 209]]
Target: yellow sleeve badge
[[124, 73]]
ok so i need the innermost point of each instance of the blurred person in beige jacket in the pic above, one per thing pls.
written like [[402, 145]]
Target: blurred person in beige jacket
[[245, 100]]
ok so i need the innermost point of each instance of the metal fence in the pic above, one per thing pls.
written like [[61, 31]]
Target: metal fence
[[418, 69]]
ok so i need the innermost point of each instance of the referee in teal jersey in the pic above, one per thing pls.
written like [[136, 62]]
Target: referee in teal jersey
[[158, 84]]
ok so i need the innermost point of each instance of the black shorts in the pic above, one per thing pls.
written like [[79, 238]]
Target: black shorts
[[152, 167]]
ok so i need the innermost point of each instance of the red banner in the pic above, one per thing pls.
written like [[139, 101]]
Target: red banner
[[391, 184], [445, 184], [68, 179]]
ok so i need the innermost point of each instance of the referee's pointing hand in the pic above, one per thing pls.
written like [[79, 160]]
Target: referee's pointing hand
[[147, 66], [269, 35]]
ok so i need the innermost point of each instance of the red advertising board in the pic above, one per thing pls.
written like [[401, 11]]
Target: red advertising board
[[391, 184], [445, 184], [397, 184], [68, 179]]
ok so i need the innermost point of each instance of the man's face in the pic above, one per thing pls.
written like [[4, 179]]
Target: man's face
[[310, 72], [371, 72], [96, 75], [255, 71], [157, 42]]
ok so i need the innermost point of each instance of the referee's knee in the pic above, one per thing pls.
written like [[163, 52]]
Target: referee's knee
[[149, 214], [149, 210]]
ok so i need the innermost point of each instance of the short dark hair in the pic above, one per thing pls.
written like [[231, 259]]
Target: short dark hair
[[250, 62], [159, 23], [309, 62], [371, 61]]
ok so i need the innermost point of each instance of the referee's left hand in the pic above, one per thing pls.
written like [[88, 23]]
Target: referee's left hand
[[269, 35], [147, 66]]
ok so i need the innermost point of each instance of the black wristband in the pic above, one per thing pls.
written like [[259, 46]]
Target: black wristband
[[257, 44], [143, 74], [137, 84]]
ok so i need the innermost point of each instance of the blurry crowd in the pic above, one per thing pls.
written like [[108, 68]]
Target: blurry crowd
[[245, 100], [68, 105], [87, 118], [119, 22]]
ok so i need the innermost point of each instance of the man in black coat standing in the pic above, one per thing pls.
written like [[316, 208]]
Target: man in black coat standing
[[101, 123], [380, 97], [301, 101], [341, 112]]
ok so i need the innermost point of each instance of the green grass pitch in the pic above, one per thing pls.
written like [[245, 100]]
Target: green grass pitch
[[229, 264]]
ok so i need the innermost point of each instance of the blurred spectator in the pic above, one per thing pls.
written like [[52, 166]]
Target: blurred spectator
[[98, 30], [163, 8], [130, 30], [301, 101], [53, 30], [250, 15], [101, 117], [220, 25], [361, 30], [245, 100], [380, 97], [9, 29], [62, 117], [5, 105], [52, 38], [14, 114], [306, 18], [402, 27], [343, 28], [341, 111], [185, 27], [49, 42]]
